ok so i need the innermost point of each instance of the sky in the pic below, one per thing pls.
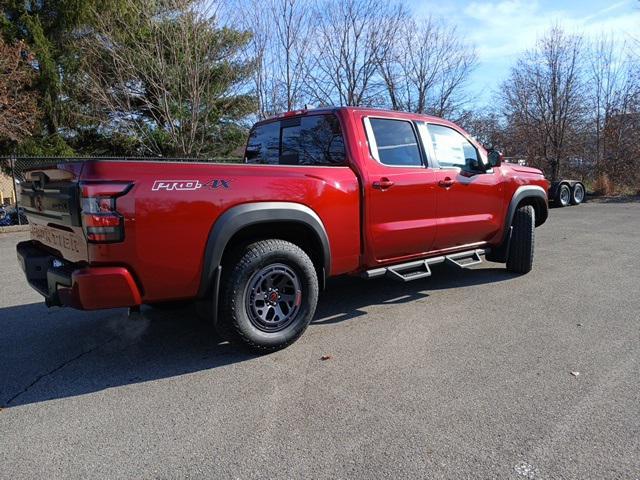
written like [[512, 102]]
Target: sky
[[501, 30]]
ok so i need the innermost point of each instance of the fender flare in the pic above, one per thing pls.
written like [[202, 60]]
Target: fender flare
[[528, 191], [247, 214], [536, 192]]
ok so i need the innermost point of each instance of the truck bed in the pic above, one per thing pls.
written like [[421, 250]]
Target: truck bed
[[171, 208]]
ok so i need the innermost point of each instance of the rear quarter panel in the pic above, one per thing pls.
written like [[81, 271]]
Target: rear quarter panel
[[167, 224]]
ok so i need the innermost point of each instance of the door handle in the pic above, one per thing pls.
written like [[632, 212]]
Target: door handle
[[383, 184], [446, 183]]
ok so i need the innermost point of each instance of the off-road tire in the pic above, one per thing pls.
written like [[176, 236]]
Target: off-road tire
[[234, 322], [520, 257], [563, 196]]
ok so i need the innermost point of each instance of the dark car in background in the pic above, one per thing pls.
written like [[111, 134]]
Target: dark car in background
[[10, 215]]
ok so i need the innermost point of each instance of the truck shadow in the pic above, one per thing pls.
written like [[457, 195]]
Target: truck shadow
[[346, 297], [60, 353]]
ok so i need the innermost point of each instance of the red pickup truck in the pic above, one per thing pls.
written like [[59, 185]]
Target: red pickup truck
[[322, 193]]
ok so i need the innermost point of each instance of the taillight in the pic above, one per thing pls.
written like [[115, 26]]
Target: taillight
[[101, 221]]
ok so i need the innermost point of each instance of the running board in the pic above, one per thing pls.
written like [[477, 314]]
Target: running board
[[465, 259], [415, 270]]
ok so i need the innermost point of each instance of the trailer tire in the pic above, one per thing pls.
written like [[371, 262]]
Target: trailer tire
[[520, 257], [563, 195], [269, 296], [577, 194]]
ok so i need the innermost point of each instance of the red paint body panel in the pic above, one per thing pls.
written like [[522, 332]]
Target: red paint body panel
[[421, 219], [166, 231], [172, 207], [103, 287], [471, 210]]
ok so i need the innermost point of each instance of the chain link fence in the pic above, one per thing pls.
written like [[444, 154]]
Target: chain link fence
[[12, 171]]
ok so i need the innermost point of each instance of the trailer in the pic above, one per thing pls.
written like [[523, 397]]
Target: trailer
[[563, 193]]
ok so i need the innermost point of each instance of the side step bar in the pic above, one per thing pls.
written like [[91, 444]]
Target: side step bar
[[465, 259], [415, 270]]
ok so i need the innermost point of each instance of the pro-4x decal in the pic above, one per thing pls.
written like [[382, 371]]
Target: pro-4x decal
[[189, 185]]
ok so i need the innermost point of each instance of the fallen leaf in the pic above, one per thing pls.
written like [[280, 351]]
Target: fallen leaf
[[325, 357], [575, 374], [526, 470]]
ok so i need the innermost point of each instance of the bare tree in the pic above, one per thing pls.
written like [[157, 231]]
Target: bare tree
[[605, 75], [486, 126], [281, 32], [265, 82], [613, 96], [427, 68], [172, 77], [292, 27], [351, 39], [18, 101], [544, 100]]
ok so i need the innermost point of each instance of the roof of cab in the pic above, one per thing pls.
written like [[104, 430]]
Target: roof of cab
[[366, 110]]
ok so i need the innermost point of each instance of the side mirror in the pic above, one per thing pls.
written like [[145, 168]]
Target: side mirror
[[495, 158]]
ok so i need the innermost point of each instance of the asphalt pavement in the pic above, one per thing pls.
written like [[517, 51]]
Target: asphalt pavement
[[467, 374]]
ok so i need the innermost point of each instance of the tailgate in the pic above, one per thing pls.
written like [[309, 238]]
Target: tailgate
[[50, 198]]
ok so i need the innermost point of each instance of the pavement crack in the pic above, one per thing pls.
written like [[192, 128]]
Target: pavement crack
[[58, 368]]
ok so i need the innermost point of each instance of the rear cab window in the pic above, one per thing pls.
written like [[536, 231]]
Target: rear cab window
[[305, 140], [393, 142]]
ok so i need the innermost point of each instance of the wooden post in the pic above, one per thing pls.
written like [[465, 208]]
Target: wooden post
[[15, 191]]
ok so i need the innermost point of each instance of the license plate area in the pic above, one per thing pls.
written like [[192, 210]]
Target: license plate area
[[69, 243]]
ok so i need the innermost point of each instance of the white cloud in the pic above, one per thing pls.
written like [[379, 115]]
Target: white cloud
[[503, 29]]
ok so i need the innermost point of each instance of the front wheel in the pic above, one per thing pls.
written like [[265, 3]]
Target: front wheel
[[269, 296], [520, 257]]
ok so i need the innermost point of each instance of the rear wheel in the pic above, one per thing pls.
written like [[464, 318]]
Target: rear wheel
[[577, 194], [520, 257], [269, 296], [563, 195]]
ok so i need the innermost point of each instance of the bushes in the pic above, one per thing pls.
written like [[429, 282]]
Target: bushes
[[603, 185]]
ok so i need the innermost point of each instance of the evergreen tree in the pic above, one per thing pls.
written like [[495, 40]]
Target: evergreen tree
[[47, 27], [168, 75]]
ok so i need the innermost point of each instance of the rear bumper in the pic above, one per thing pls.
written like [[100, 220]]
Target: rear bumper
[[70, 285]]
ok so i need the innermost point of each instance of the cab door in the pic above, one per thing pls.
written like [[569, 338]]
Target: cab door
[[470, 197], [400, 191]]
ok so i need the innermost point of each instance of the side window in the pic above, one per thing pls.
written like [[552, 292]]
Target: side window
[[308, 140], [452, 149], [263, 145], [394, 142]]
